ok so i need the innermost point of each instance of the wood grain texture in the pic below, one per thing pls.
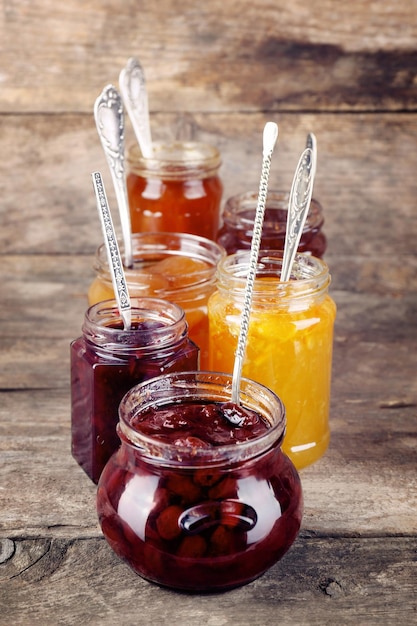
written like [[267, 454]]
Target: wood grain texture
[[319, 581], [216, 72], [215, 56]]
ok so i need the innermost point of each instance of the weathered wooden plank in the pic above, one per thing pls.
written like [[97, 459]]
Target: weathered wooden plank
[[366, 483], [319, 581], [365, 178], [214, 56]]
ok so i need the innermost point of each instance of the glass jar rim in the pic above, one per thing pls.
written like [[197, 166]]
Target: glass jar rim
[[175, 160], [100, 320], [171, 388], [152, 247], [309, 274], [237, 205]]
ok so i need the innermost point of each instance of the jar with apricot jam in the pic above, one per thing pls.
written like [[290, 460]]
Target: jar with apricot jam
[[177, 267], [239, 212], [290, 341], [107, 361], [177, 190], [200, 496]]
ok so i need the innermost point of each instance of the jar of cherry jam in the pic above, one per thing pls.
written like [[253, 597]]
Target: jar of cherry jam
[[199, 496], [177, 190], [107, 361], [239, 215]]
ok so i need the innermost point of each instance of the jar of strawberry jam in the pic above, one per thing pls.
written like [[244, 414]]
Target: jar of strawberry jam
[[289, 344], [107, 361], [178, 267], [239, 215], [199, 496], [177, 190]]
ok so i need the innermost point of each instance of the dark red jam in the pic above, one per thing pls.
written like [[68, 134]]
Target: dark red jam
[[192, 525], [236, 232], [101, 374], [201, 425]]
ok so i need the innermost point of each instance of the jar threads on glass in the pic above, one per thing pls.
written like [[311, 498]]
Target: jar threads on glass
[[239, 215], [107, 361], [195, 517], [290, 341], [177, 267], [177, 190]]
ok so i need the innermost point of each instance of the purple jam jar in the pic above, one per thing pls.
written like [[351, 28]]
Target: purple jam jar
[[107, 361], [199, 496], [239, 215]]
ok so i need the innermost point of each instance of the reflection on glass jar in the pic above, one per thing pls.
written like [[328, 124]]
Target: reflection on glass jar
[[107, 361], [239, 215], [290, 340], [183, 508], [178, 190], [174, 266]]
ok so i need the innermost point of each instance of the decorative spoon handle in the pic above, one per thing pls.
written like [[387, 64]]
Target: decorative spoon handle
[[113, 254], [133, 88], [298, 205], [270, 136], [109, 117]]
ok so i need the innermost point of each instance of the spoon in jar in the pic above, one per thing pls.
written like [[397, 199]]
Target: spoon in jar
[[270, 136], [113, 253], [299, 204], [109, 117], [133, 89]]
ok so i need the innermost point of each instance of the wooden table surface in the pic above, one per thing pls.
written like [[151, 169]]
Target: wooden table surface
[[217, 72]]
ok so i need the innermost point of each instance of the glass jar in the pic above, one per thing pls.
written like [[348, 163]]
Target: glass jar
[[199, 518], [178, 190], [239, 215], [107, 361], [174, 266], [290, 341]]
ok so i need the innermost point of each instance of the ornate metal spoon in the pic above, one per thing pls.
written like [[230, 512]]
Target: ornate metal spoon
[[133, 89], [270, 136], [109, 117], [113, 253], [299, 204]]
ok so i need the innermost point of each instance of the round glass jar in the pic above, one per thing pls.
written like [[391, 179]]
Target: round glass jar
[[290, 341], [192, 517], [178, 190], [239, 215], [107, 361], [178, 267]]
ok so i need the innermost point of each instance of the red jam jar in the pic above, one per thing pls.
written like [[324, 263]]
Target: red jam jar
[[191, 501], [239, 215], [107, 361], [177, 190]]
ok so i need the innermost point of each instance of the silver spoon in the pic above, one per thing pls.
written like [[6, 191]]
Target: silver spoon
[[299, 204], [109, 117], [133, 89], [113, 253], [270, 136]]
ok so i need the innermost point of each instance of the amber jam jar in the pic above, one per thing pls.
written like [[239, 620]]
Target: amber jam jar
[[107, 361], [191, 515], [239, 215], [290, 340], [178, 190], [178, 267]]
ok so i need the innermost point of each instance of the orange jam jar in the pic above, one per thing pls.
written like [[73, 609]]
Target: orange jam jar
[[239, 212], [177, 190], [177, 267], [290, 341]]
